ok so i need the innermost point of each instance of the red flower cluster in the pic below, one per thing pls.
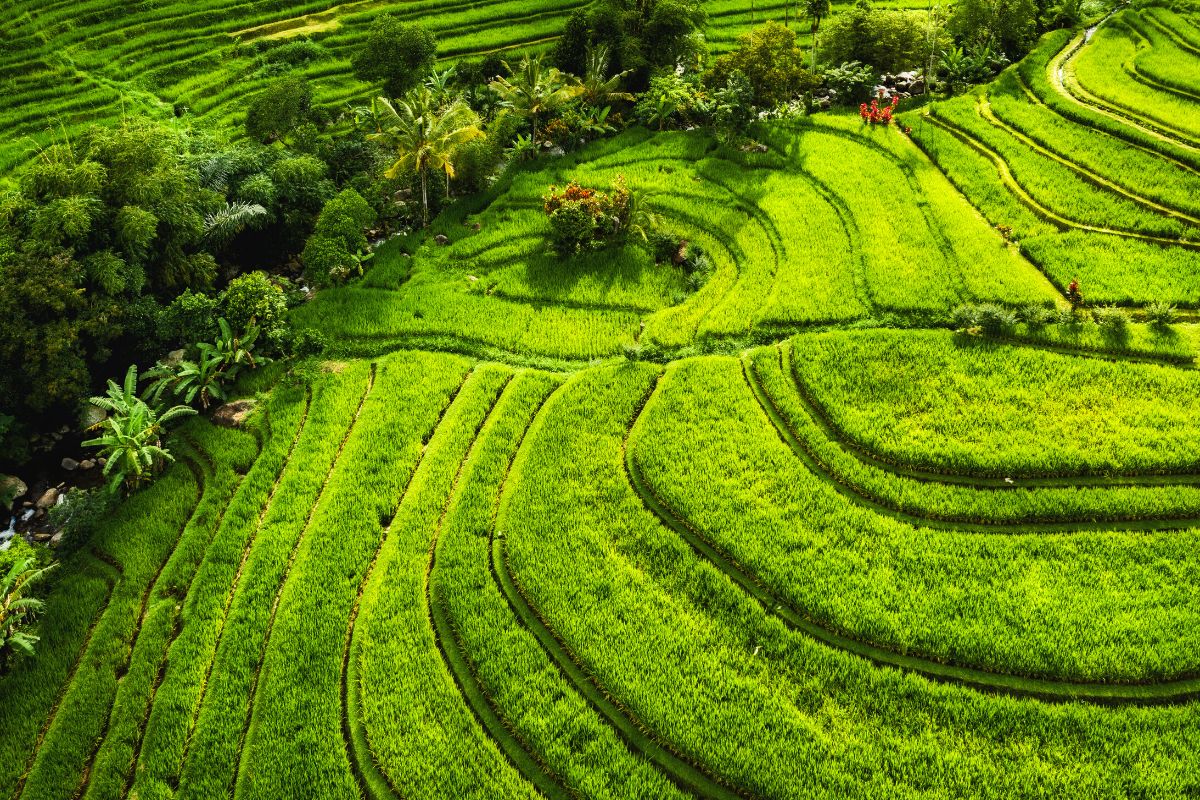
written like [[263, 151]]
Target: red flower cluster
[[876, 114], [573, 193]]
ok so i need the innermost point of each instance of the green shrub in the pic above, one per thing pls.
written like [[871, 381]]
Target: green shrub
[[279, 109], [81, 511], [338, 246], [1160, 314], [1036, 316], [249, 299], [191, 317], [989, 318], [1114, 323], [572, 228]]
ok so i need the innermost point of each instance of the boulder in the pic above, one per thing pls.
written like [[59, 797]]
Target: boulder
[[48, 499], [233, 415], [87, 464], [70, 464], [56, 539], [11, 487], [442, 239], [41, 537]]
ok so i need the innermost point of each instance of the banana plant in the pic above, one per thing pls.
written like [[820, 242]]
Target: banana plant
[[130, 436], [17, 610], [234, 351], [201, 379]]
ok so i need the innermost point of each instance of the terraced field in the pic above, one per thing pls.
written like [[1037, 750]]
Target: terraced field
[[64, 63], [1094, 166], [602, 532]]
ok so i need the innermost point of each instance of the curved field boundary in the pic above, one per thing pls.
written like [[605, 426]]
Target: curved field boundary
[[853, 235], [1057, 69], [835, 433], [985, 110], [1018, 191], [233, 587], [190, 458], [814, 463], [1166, 30], [252, 699], [999, 683], [113, 576], [517, 751], [373, 346], [371, 780], [1157, 85], [951, 260], [146, 610], [688, 776], [1123, 141], [1179, 361]]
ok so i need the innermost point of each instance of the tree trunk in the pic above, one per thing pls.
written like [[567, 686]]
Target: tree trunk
[[424, 197], [816, 22], [447, 184]]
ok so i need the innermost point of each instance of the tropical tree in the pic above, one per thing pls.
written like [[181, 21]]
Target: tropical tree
[[532, 89], [397, 53], [17, 610], [818, 10], [440, 84], [426, 137], [231, 219], [130, 434], [596, 89]]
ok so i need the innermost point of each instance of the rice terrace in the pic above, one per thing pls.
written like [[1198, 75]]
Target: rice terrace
[[599, 399]]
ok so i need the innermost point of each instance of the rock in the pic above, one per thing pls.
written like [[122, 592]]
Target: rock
[[680, 253], [174, 357], [11, 487], [48, 498], [64, 430], [476, 226], [87, 464], [102, 461], [917, 87], [70, 464], [232, 415], [56, 539], [92, 416], [41, 537], [442, 239], [472, 278]]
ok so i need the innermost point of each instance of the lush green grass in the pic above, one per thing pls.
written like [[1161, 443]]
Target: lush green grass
[[1100, 71], [826, 548], [960, 405], [1088, 194]]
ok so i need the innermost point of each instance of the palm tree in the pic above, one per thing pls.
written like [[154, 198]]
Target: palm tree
[[597, 90], [817, 9], [16, 610], [426, 136], [130, 433], [221, 226], [532, 90]]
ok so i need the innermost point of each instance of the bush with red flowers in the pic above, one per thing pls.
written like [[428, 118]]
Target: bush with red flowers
[[875, 114], [582, 219]]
